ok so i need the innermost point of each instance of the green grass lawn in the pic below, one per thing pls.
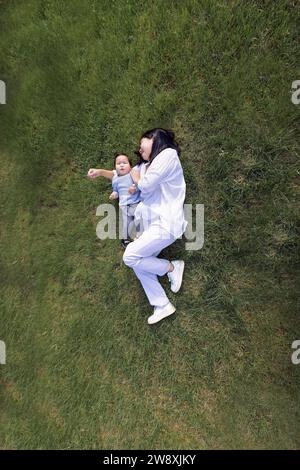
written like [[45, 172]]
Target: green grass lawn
[[83, 367]]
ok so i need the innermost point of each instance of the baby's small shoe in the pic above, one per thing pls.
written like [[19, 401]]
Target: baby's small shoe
[[125, 242]]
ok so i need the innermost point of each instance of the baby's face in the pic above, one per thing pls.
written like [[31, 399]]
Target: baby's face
[[122, 165]]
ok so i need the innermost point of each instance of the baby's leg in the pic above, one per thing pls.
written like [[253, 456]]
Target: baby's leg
[[134, 229], [125, 222], [139, 229], [137, 223], [128, 226]]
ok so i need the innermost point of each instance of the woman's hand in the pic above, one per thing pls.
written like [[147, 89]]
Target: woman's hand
[[132, 189], [135, 176], [93, 173], [114, 195]]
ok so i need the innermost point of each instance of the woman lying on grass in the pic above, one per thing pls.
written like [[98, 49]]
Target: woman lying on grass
[[161, 183]]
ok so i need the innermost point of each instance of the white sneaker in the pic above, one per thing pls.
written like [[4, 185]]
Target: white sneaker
[[175, 277], [161, 312]]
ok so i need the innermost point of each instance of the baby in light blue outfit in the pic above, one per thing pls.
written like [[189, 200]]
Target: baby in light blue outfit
[[128, 201]]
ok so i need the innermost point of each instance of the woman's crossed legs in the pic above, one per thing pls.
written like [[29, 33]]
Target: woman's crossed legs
[[141, 256]]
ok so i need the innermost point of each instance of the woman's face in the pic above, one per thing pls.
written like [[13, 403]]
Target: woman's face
[[146, 148]]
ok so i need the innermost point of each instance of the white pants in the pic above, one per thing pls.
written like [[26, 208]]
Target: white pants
[[141, 256]]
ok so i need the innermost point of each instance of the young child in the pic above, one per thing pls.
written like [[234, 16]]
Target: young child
[[125, 190]]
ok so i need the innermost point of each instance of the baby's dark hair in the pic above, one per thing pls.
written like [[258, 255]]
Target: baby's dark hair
[[118, 154]]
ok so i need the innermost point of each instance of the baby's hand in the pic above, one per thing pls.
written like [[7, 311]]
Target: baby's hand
[[132, 189], [114, 195], [93, 173]]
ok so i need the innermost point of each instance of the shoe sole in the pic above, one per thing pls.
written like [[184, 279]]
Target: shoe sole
[[165, 316], [178, 285]]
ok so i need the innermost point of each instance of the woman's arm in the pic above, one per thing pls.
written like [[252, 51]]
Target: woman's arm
[[159, 171], [95, 172]]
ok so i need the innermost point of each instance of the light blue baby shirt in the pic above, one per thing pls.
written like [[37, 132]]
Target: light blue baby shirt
[[121, 184]]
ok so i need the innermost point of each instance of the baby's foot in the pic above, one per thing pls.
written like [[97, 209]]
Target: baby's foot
[[125, 242]]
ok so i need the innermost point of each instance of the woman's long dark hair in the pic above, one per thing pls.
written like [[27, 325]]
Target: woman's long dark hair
[[162, 139]]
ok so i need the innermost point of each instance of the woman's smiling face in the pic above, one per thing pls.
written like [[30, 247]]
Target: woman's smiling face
[[146, 148]]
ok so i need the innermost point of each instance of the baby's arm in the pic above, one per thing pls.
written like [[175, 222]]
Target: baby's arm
[[95, 172], [114, 195], [115, 190]]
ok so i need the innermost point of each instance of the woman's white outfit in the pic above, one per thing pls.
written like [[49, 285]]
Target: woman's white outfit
[[162, 215]]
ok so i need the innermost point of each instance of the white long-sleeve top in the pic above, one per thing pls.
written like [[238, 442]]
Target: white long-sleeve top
[[163, 190]]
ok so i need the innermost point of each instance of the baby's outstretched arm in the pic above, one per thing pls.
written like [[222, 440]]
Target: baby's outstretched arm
[[95, 172]]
